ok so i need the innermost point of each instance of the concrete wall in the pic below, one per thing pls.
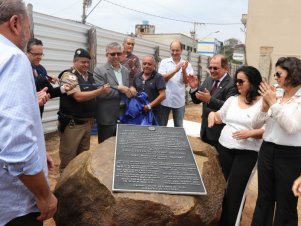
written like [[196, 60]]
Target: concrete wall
[[272, 32]]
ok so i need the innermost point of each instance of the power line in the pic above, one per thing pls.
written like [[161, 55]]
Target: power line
[[168, 18], [94, 8]]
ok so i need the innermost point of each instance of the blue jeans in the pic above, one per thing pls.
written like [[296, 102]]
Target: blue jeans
[[177, 114]]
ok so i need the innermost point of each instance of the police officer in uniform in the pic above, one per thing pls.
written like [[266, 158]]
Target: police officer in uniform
[[77, 108]]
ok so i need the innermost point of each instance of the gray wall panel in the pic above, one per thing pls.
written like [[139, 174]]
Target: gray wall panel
[[62, 37]]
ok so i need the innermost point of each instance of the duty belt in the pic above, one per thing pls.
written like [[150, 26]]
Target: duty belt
[[77, 121]]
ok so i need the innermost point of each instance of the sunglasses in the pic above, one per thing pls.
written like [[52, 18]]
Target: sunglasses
[[37, 54], [213, 68], [115, 54], [277, 74], [239, 81]]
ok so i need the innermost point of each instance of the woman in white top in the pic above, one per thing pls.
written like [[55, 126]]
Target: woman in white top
[[279, 160], [239, 142]]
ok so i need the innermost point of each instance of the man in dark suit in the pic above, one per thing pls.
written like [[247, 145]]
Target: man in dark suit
[[109, 105], [35, 52], [213, 92]]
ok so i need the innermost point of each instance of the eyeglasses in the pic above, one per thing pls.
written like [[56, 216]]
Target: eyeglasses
[[277, 74], [213, 68], [239, 82], [37, 54], [115, 54]]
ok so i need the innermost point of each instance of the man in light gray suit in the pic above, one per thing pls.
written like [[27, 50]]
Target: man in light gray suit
[[109, 105]]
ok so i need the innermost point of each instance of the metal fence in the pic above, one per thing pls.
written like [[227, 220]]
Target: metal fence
[[62, 37]]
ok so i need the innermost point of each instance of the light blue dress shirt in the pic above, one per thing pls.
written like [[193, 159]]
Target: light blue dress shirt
[[22, 145]]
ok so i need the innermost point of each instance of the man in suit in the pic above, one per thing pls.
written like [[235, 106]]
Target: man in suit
[[109, 105], [213, 92], [35, 52]]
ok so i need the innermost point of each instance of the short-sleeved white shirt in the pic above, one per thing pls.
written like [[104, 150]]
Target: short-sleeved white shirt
[[175, 87], [236, 119]]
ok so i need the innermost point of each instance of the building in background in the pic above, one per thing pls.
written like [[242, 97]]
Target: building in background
[[147, 31], [234, 51], [239, 53], [144, 28], [209, 46], [187, 42], [272, 32]]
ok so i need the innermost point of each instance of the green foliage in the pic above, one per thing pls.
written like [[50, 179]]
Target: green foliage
[[228, 49]]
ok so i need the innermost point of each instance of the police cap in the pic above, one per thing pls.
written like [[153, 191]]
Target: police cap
[[82, 53]]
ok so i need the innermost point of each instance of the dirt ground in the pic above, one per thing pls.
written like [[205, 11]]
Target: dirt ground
[[192, 113]]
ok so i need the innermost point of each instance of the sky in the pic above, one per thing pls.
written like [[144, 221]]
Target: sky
[[219, 19]]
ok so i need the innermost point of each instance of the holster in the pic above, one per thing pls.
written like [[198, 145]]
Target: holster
[[64, 121]]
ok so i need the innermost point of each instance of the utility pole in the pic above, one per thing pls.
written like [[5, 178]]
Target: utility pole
[[193, 36], [86, 4], [244, 18]]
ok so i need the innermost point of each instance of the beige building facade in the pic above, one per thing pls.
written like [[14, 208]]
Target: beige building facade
[[272, 31]]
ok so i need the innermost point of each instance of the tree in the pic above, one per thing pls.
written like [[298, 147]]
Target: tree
[[228, 48]]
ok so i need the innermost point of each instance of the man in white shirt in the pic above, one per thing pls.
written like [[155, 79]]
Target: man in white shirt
[[175, 71], [25, 195]]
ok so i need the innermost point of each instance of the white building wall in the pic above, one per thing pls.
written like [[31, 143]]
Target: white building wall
[[208, 46]]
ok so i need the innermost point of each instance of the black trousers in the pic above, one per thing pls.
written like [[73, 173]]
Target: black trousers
[[105, 132], [278, 167], [27, 220], [213, 143], [237, 166]]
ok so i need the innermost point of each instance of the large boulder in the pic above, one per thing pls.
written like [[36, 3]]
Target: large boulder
[[86, 198]]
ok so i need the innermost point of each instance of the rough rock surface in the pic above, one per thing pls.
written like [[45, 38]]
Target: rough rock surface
[[86, 198]]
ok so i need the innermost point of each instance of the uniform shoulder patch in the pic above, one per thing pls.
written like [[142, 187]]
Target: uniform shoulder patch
[[68, 77]]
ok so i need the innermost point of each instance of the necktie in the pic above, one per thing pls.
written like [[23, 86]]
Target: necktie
[[214, 87]]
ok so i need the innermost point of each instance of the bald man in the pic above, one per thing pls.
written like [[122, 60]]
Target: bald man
[[175, 71]]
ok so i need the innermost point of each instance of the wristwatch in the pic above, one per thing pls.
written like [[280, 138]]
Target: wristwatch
[[149, 107]]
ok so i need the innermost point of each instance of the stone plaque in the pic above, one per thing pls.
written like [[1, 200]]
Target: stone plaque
[[155, 159]]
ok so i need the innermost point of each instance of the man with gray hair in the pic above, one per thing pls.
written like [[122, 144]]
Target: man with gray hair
[[153, 84], [128, 59], [109, 105], [25, 195]]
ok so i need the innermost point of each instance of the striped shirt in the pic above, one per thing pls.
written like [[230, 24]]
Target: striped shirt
[[22, 145]]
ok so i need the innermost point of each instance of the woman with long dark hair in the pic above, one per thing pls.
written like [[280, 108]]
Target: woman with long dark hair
[[239, 142]]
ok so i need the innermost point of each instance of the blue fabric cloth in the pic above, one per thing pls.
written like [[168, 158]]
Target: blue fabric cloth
[[22, 146], [134, 113]]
